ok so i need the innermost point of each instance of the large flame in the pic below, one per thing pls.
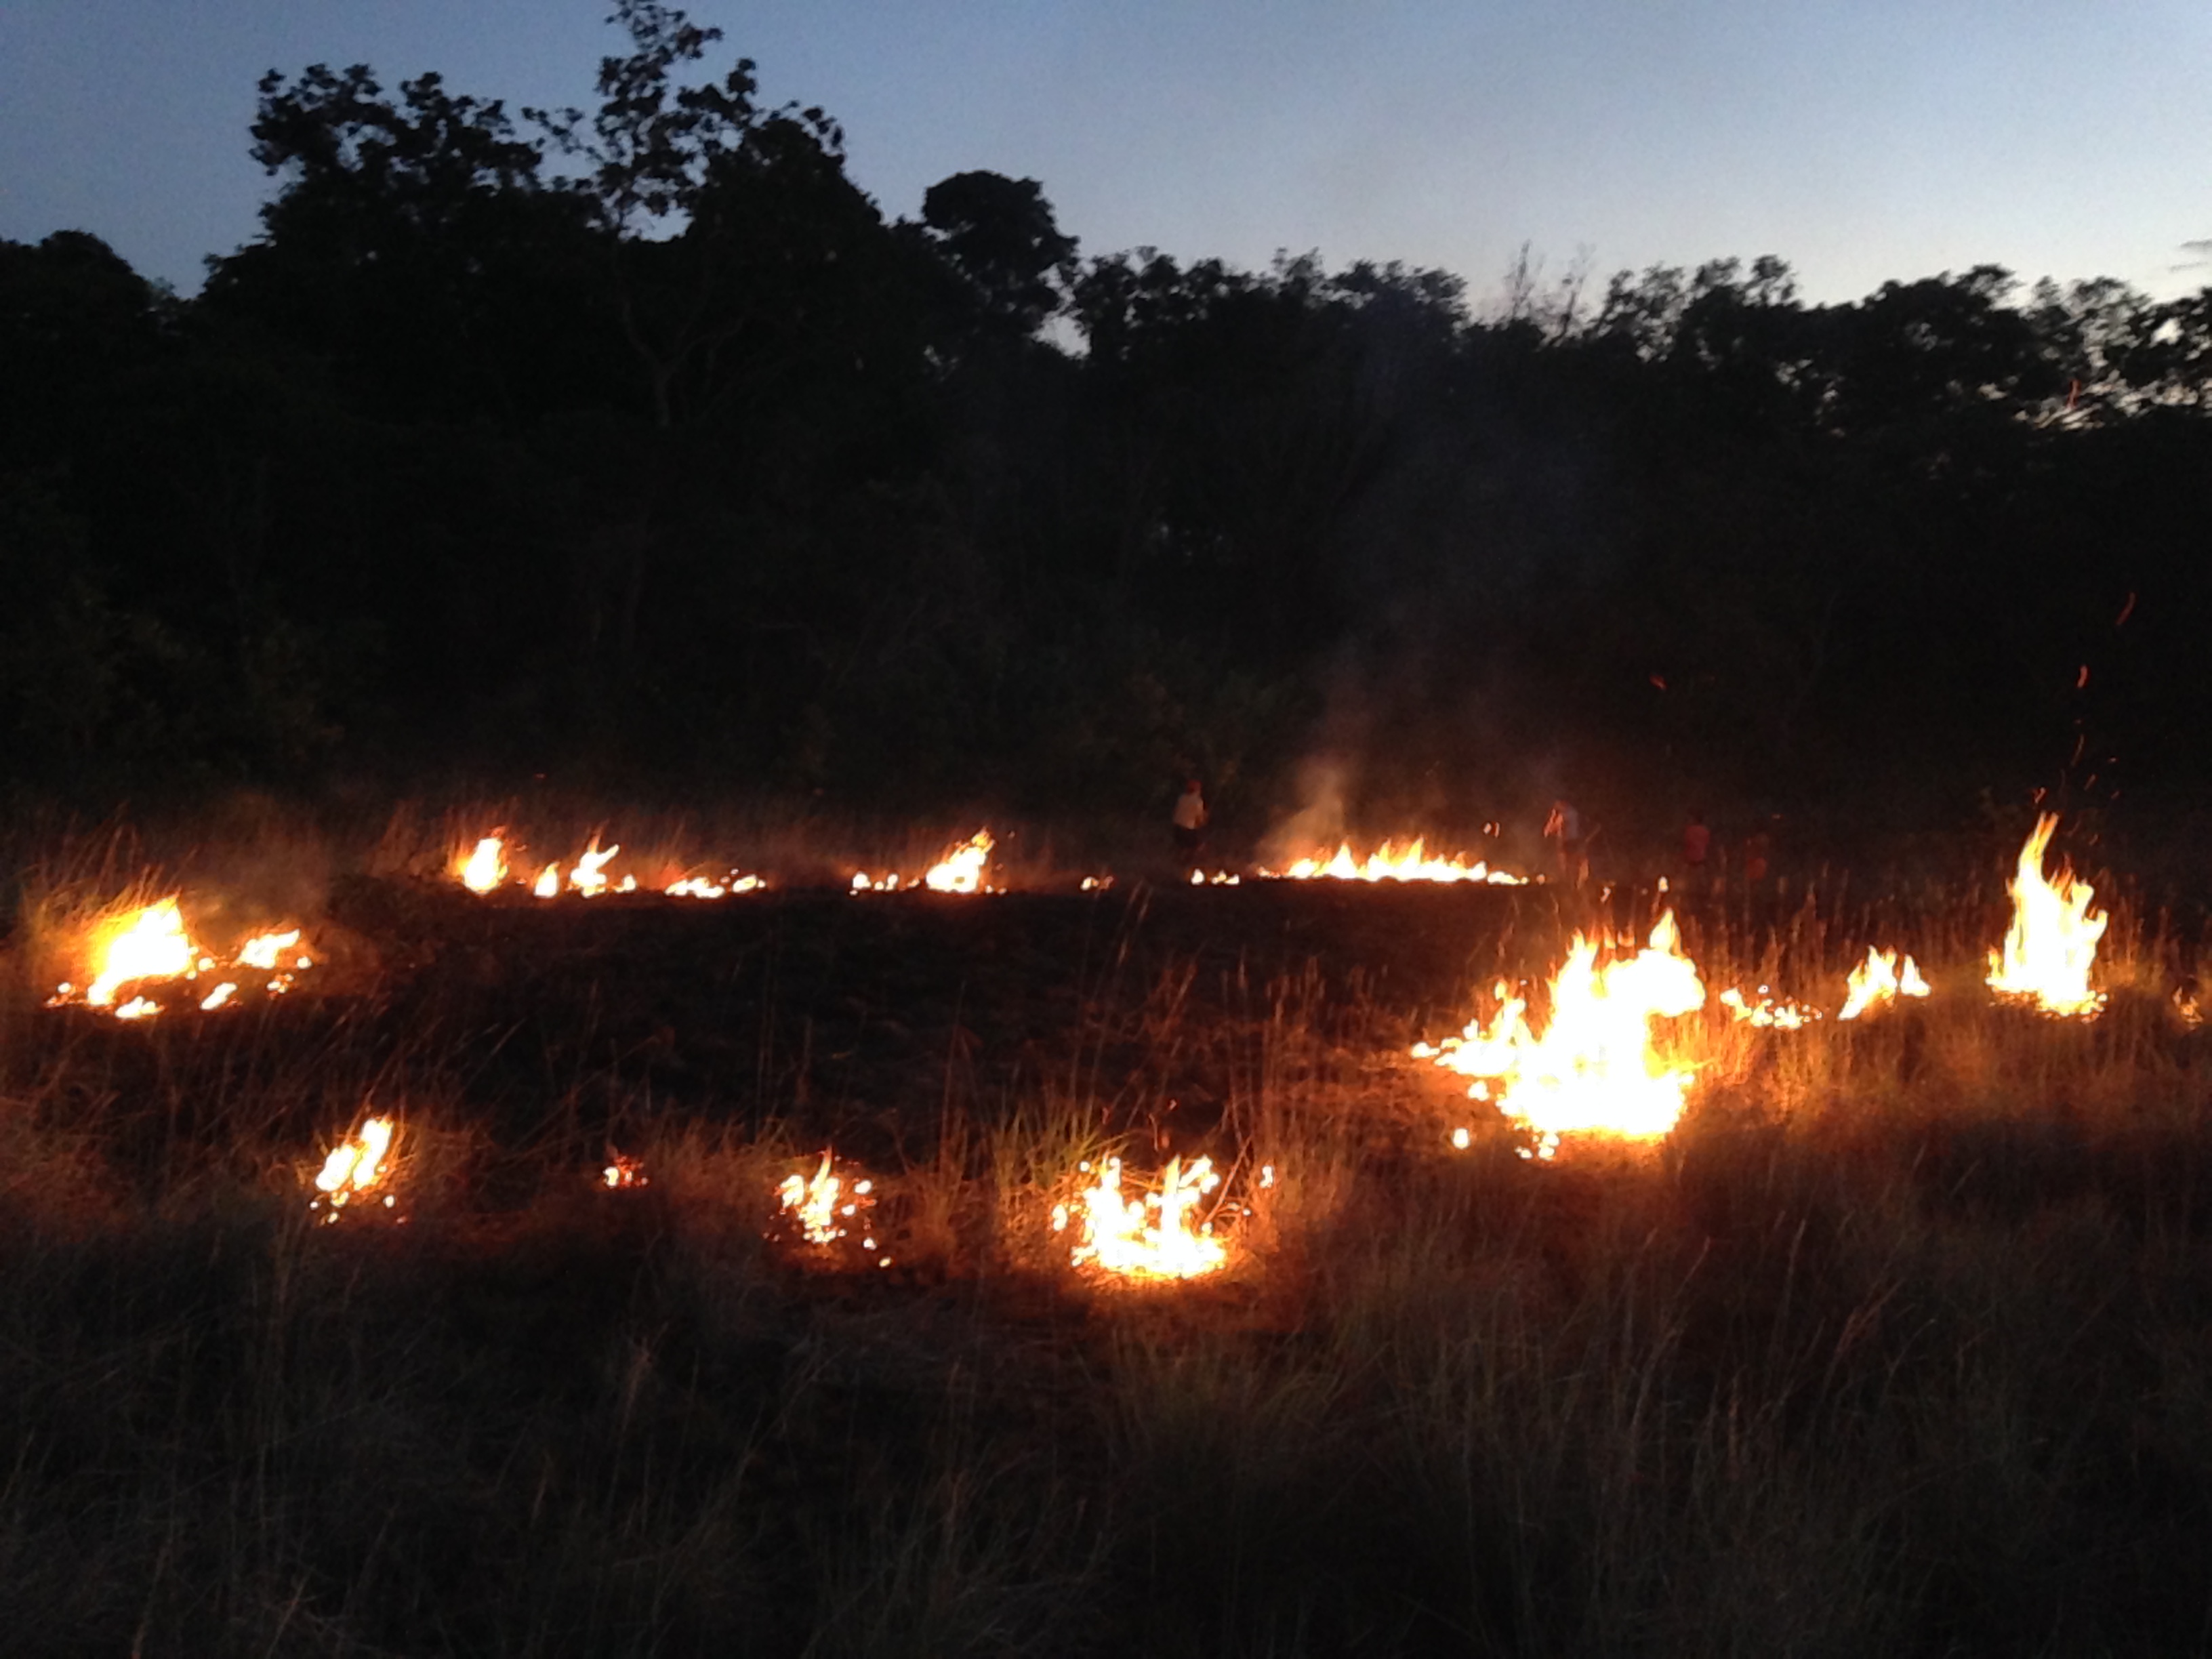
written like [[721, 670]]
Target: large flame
[[2053, 943], [149, 949], [485, 868], [1150, 1236], [148, 944], [961, 869], [1881, 978], [1595, 1069], [1393, 861]]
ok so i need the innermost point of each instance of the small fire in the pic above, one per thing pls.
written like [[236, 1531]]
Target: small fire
[[1595, 1069], [701, 887], [1097, 883], [1219, 878], [1393, 861], [589, 878], [262, 949], [2053, 943], [1881, 978], [822, 1205], [623, 1173], [961, 870], [357, 1166], [1149, 1237], [485, 868], [1769, 1011]]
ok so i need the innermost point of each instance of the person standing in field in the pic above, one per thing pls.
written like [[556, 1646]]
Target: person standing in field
[[1190, 824], [1697, 841], [1564, 828], [1758, 847]]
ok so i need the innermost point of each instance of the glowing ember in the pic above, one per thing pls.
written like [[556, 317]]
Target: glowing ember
[[822, 1206], [1097, 883], [700, 887], [1393, 861], [1769, 1011], [148, 944], [485, 868], [262, 949], [357, 1167], [2053, 943], [1150, 1236], [622, 1174], [961, 870], [1595, 1069], [1880, 979]]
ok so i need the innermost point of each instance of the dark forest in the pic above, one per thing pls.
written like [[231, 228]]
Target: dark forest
[[636, 447]]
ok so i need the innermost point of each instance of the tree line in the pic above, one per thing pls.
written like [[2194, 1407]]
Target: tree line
[[636, 444]]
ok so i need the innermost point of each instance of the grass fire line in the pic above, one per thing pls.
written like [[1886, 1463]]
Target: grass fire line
[[1597, 1067], [1939, 1254], [485, 868]]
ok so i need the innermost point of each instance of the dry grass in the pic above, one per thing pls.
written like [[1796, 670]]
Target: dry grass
[[1896, 1345]]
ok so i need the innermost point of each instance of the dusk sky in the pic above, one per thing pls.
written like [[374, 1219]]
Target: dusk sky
[[1860, 142]]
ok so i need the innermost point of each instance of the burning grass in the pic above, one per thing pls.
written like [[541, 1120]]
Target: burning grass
[[1889, 1345], [1392, 861]]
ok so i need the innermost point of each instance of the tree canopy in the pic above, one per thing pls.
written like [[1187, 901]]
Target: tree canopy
[[637, 441]]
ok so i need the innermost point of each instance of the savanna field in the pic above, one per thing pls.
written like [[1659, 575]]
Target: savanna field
[[1032, 1256]]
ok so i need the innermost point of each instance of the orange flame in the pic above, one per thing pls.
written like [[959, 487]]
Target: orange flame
[[701, 887], [1881, 978], [1769, 1011], [1393, 861], [357, 1165], [961, 870], [589, 878], [1595, 1069], [147, 943], [1150, 1236], [484, 869], [2053, 943], [822, 1206]]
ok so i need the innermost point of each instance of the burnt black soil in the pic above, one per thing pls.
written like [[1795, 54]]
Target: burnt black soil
[[857, 1013]]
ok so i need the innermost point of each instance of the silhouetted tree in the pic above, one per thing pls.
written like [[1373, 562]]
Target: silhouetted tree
[[999, 235]]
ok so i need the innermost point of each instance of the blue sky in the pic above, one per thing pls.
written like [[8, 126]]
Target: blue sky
[[1860, 142]]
